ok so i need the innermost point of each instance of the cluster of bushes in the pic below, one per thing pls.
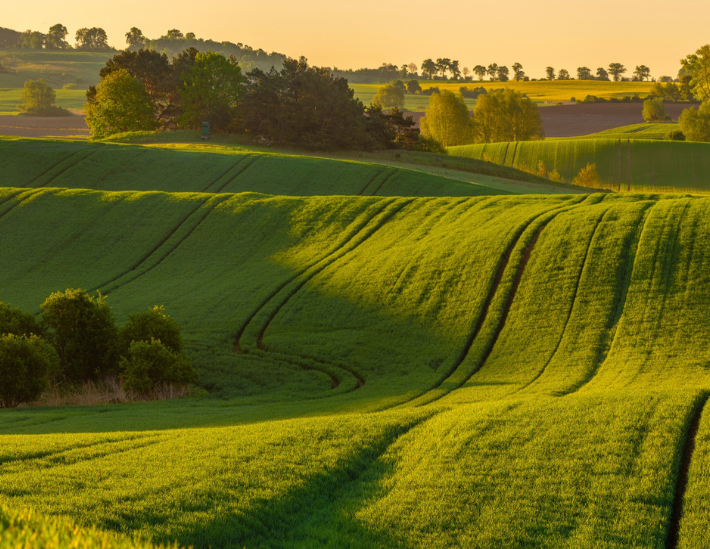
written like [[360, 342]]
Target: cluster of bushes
[[38, 100], [636, 98], [472, 93], [77, 340]]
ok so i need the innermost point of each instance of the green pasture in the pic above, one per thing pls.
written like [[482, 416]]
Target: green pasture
[[647, 130], [541, 91], [634, 164], [10, 98], [55, 67], [534, 364]]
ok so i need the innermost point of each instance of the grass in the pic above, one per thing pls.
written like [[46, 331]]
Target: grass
[[541, 91], [392, 369], [641, 165], [634, 131]]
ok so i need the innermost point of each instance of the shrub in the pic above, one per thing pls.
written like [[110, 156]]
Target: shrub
[[654, 110], [38, 100], [428, 143], [149, 325], [695, 123], [149, 364], [15, 321], [389, 96], [675, 135], [82, 330], [25, 363], [588, 177]]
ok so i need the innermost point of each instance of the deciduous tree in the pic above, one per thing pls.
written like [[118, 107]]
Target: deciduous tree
[[389, 96], [642, 72], [697, 67], [518, 72], [492, 71], [480, 71], [563, 75], [447, 119], [602, 74], [550, 71], [506, 115], [584, 73], [429, 69], [695, 123], [93, 39], [56, 37], [135, 38], [654, 110], [616, 70]]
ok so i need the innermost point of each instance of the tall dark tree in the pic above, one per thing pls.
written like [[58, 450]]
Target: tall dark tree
[[135, 38], [602, 74], [93, 39], [518, 72], [584, 73], [616, 70], [429, 69], [56, 38], [443, 64]]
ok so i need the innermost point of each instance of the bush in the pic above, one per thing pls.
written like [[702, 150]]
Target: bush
[[25, 363], [150, 363], [389, 96], [16, 321], [695, 123], [38, 100], [588, 177], [428, 143], [149, 325], [675, 135], [82, 330], [654, 110]]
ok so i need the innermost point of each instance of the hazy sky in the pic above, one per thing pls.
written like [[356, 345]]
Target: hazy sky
[[365, 33]]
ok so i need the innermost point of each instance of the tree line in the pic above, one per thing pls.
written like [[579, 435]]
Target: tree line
[[77, 340], [297, 105]]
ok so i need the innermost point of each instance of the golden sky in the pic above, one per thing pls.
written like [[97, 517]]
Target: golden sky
[[562, 33]]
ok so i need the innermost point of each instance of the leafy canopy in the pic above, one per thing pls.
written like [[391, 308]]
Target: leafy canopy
[[447, 119]]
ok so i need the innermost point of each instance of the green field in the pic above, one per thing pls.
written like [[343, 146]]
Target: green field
[[541, 92], [389, 357], [636, 164]]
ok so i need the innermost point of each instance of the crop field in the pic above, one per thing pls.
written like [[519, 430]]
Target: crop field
[[384, 367], [642, 165], [635, 131], [220, 169], [541, 91]]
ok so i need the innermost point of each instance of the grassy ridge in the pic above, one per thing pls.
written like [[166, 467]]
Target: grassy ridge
[[540, 360], [645, 165]]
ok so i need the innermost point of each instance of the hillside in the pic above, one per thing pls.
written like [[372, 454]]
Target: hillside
[[537, 364], [634, 164], [226, 167]]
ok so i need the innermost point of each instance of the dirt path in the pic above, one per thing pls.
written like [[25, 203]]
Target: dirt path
[[69, 127]]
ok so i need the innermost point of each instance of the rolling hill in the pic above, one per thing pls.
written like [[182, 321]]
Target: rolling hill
[[405, 371]]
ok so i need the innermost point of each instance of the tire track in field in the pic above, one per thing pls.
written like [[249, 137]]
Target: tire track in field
[[493, 291], [357, 237], [571, 307], [385, 180], [199, 215], [253, 159], [29, 194], [372, 180], [682, 478], [226, 173], [619, 309], [83, 155], [45, 172]]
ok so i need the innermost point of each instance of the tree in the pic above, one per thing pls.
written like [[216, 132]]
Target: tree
[[93, 39], [584, 73], [480, 71], [148, 364], [135, 39], [159, 78], [503, 73], [563, 75], [38, 99], [466, 71], [32, 40], [697, 67], [119, 105], [506, 115], [15, 321], [25, 363], [190, 36], [174, 34], [602, 74], [81, 329], [443, 65], [413, 69], [404, 70], [455, 70], [616, 70], [56, 38], [389, 96], [642, 72], [392, 130], [447, 119], [413, 87], [668, 91], [210, 92], [304, 106], [654, 110], [519, 73], [695, 123], [492, 71], [550, 71], [149, 325], [429, 68]]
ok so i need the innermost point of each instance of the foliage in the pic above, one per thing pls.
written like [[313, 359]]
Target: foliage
[[654, 110], [148, 364], [56, 37], [588, 177], [25, 363], [616, 70], [92, 39], [695, 123], [82, 330], [563, 74], [697, 67], [507, 116], [389, 96], [675, 135], [14, 320], [149, 325], [303, 106], [447, 120], [135, 39], [210, 92], [413, 87], [119, 105], [38, 100]]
